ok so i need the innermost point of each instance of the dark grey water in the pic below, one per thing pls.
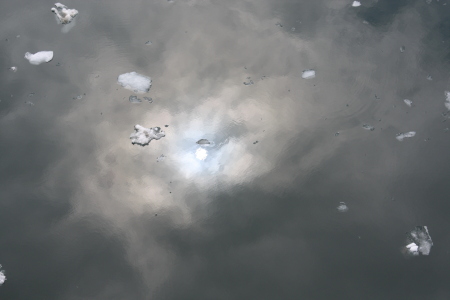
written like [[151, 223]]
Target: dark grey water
[[84, 214]]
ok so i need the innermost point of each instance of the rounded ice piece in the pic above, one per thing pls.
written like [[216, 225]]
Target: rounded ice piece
[[64, 14], [307, 74], [143, 136], [356, 3], [135, 82], [39, 57], [342, 207]]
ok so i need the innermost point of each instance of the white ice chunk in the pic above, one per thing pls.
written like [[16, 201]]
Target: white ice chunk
[[342, 207], [307, 74], [39, 57], [64, 14], [136, 82], [408, 102], [356, 3], [420, 241], [447, 100], [368, 127], [401, 136], [14, 69], [143, 136], [2, 276]]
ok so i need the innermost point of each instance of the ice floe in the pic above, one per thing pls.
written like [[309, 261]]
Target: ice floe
[[368, 127], [402, 49], [203, 142], [2, 276], [447, 100], [419, 241], [39, 57], [249, 82], [307, 74], [408, 102], [143, 136], [401, 136], [14, 69], [64, 14], [160, 158], [134, 99], [136, 82], [149, 100], [356, 3], [342, 207]]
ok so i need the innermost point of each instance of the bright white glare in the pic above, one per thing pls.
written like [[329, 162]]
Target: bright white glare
[[201, 154]]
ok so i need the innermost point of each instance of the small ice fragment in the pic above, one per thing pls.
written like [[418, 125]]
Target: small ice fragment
[[2, 276], [249, 82], [79, 97], [428, 1], [134, 99], [402, 49], [293, 29], [356, 3], [203, 142], [342, 207], [14, 69], [255, 142], [429, 77], [64, 14], [29, 103], [148, 43], [336, 134], [447, 100], [143, 136], [368, 127], [420, 241], [279, 24], [408, 102], [135, 82], [307, 74], [39, 57], [401, 136], [160, 158], [150, 100]]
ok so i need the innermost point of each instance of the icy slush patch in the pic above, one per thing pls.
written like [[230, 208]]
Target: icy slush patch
[[356, 3], [2, 276], [307, 74], [64, 14], [420, 241], [143, 136], [39, 57], [447, 100], [408, 102], [136, 82], [401, 136]]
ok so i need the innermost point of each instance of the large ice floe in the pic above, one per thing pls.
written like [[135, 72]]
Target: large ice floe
[[135, 82], [143, 136], [401, 136], [447, 100], [64, 14], [2, 276], [419, 241], [39, 57]]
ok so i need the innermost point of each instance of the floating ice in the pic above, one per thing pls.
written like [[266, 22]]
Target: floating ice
[[150, 100], [143, 136], [134, 99], [14, 69], [401, 136], [64, 14], [402, 49], [368, 127], [342, 207], [420, 241], [2, 276], [447, 100], [160, 158], [135, 82], [356, 3], [408, 102], [279, 24], [249, 82], [148, 43], [429, 77], [307, 74], [203, 142], [39, 57]]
